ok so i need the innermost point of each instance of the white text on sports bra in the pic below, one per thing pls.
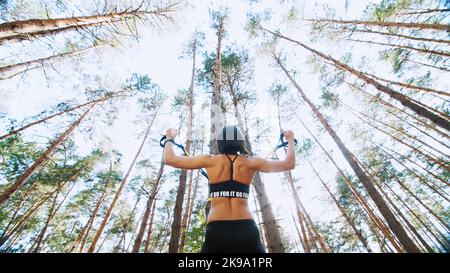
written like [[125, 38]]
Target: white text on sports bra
[[230, 194]]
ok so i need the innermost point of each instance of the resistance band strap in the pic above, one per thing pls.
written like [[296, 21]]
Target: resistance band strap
[[161, 143], [284, 143]]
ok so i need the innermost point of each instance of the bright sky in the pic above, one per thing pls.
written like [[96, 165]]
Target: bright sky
[[158, 55]]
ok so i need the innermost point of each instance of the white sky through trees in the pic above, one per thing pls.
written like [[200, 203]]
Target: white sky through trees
[[157, 54]]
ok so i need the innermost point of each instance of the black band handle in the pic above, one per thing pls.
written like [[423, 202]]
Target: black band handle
[[161, 141], [284, 143], [162, 144]]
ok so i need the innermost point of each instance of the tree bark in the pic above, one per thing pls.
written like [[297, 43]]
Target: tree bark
[[24, 66]]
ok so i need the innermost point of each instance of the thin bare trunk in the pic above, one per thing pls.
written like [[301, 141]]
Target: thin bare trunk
[[25, 66], [149, 207], [273, 237], [421, 50], [84, 233], [430, 156], [16, 131], [428, 65], [119, 190], [393, 34], [386, 24], [410, 86], [424, 11], [357, 232], [174, 243]]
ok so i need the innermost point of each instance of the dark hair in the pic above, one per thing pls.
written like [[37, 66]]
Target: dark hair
[[231, 141]]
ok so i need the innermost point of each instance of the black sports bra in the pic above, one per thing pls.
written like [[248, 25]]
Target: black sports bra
[[229, 188]]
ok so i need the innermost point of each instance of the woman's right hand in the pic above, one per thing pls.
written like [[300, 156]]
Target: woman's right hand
[[288, 134]]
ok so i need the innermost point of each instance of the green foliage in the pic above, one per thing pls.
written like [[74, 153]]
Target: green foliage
[[330, 99], [196, 233], [219, 18], [277, 90], [305, 148], [397, 57], [16, 156]]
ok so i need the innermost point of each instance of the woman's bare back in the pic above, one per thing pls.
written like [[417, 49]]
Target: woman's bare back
[[225, 208]]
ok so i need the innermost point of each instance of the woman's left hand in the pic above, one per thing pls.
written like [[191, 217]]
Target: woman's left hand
[[171, 133]]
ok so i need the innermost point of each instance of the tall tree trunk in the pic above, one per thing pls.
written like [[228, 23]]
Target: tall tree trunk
[[386, 24], [408, 191], [176, 224], [86, 228], [19, 37], [407, 222], [216, 111], [404, 100], [84, 233], [16, 131], [393, 223], [424, 11], [191, 202], [57, 25], [273, 237], [6, 194], [446, 69], [399, 213], [442, 240], [325, 247], [149, 206], [126, 224], [187, 211], [119, 190], [52, 212], [38, 239], [12, 218], [421, 50], [150, 229], [422, 39], [358, 232], [24, 217], [25, 66]]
